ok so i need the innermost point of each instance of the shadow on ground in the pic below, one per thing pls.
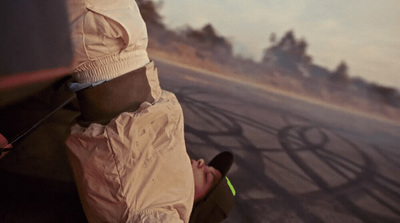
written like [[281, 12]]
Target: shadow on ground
[[288, 167], [291, 169]]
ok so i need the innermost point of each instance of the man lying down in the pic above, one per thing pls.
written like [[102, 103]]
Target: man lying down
[[127, 149]]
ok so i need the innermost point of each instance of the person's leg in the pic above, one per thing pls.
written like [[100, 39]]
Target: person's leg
[[109, 41]]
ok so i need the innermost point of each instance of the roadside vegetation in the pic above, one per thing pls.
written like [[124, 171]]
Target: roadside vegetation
[[285, 65]]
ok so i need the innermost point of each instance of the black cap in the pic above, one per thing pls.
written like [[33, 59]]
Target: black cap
[[216, 206]]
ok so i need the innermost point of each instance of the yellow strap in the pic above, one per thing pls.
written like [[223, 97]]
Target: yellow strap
[[231, 186]]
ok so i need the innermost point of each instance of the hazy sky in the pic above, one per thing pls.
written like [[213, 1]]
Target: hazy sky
[[365, 34]]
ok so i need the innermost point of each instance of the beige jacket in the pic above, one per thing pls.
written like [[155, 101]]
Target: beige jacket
[[109, 38], [136, 168]]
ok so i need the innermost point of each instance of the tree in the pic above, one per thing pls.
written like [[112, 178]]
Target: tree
[[289, 53], [389, 95], [207, 39], [149, 11], [340, 74]]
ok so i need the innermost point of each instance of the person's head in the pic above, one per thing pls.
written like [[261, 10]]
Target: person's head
[[213, 191], [205, 178]]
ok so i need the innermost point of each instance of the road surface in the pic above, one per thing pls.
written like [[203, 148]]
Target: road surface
[[295, 161]]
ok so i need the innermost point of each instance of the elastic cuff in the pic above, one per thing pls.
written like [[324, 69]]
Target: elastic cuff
[[110, 67]]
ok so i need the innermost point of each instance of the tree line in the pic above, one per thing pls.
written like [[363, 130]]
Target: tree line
[[287, 56]]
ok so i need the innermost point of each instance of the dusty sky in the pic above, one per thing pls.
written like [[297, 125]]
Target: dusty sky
[[365, 34]]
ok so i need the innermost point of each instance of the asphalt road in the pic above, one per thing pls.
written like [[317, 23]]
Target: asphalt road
[[295, 161]]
